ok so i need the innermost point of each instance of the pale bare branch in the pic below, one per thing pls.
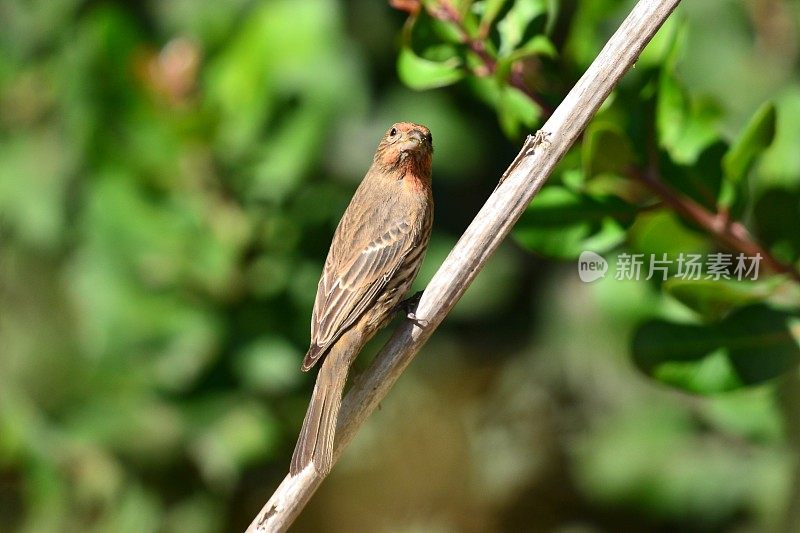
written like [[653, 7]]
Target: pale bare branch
[[491, 225]]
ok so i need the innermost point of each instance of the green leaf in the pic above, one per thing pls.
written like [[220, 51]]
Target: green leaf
[[588, 29], [700, 180], [661, 231], [538, 45], [670, 108], [561, 223], [513, 26], [762, 343], [419, 73], [713, 299], [780, 163], [489, 9], [606, 149], [660, 341], [446, 31], [776, 217], [713, 373], [441, 53], [752, 345], [516, 110], [685, 124], [664, 41], [756, 136]]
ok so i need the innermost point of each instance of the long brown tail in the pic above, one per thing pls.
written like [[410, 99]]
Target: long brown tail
[[315, 443]]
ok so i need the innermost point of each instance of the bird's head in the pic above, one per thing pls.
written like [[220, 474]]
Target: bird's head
[[405, 142]]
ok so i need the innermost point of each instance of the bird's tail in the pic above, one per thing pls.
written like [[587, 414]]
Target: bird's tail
[[315, 443]]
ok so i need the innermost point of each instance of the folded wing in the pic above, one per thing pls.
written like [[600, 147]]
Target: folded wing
[[344, 294]]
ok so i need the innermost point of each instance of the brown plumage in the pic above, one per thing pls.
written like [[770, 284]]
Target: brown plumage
[[375, 255]]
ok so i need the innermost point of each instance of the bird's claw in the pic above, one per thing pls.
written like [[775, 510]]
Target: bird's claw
[[419, 322], [409, 305]]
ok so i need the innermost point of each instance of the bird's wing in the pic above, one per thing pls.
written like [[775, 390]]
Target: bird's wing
[[344, 294]]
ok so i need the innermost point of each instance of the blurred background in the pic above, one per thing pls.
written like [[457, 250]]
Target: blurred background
[[171, 173]]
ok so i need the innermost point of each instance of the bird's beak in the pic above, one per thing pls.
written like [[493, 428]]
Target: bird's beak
[[413, 141], [416, 135]]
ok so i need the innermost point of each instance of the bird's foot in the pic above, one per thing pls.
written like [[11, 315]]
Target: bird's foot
[[419, 322], [408, 306]]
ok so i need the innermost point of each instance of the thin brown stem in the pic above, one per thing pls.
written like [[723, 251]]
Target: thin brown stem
[[729, 233]]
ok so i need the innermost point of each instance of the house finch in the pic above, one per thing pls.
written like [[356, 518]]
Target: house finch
[[375, 255]]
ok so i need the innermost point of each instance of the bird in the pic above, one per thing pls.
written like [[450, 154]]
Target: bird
[[375, 254]]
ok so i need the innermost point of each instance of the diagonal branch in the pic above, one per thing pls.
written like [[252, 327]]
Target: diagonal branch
[[489, 228]]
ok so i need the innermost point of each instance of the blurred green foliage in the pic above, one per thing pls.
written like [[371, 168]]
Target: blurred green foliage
[[170, 177], [678, 161]]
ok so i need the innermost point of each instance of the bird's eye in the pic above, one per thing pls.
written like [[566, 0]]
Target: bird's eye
[[393, 132]]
